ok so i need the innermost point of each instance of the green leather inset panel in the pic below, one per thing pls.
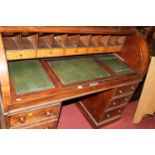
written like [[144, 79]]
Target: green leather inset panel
[[29, 76], [115, 64], [77, 70]]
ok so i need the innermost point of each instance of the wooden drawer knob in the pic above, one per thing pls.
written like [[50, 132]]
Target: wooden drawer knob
[[22, 119], [119, 111], [126, 99], [120, 91], [48, 114], [114, 103], [132, 87], [108, 115]]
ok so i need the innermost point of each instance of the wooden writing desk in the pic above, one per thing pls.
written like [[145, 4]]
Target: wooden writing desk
[[41, 67]]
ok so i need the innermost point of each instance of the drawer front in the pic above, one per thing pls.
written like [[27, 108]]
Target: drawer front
[[126, 89], [49, 52], [35, 115], [46, 124], [120, 101], [23, 54], [110, 114]]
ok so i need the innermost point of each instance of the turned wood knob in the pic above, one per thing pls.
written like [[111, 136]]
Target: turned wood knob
[[48, 114], [120, 91], [126, 99], [22, 119], [132, 87], [119, 111], [114, 103], [108, 115]]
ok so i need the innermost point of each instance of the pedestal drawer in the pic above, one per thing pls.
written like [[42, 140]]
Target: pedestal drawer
[[126, 89], [111, 114], [119, 101], [34, 115], [45, 124]]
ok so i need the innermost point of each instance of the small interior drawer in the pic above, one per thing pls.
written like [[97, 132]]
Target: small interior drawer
[[22, 54], [126, 89], [34, 115]]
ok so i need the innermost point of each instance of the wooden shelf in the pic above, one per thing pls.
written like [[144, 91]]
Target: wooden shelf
[[28, 46]]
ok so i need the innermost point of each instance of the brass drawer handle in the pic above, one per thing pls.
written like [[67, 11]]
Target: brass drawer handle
[[22, 119], [48, 114]]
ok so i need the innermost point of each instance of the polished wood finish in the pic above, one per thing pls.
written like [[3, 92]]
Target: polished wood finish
[[4, 78], [101, 100], [69, 29], [51, 45]]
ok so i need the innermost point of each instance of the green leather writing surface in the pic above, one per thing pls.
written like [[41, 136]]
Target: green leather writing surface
[[77, 70], [115, 64], [29, 76]]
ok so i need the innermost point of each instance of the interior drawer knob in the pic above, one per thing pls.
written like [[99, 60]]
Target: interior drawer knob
[[120, 91], [21, 55], [48, 114], [22, 119], [114, 103], [108, 115]]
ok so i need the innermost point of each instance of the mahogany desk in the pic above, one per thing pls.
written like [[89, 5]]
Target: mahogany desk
[[40, 67]]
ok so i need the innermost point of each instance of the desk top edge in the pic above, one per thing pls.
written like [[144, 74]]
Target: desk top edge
[[70, 29]]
